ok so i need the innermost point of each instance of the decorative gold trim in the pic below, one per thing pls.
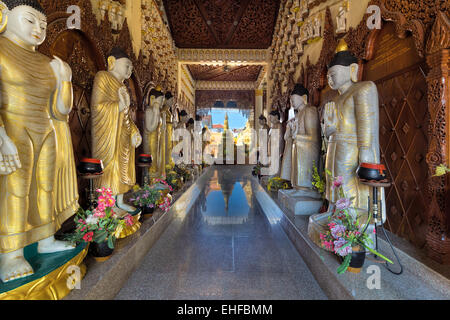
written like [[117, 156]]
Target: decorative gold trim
[[53, 286]]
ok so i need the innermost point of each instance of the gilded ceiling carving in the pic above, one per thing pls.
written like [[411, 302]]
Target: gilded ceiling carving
[[224, 73], [222, 24]]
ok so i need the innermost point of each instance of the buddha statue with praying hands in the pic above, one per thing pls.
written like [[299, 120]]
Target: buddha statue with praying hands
[[114, 134], [38, 183], [351, 127], [154, 139]]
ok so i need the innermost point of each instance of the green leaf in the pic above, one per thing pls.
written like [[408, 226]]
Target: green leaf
[[378, 254], [110, 242], [343, 267]]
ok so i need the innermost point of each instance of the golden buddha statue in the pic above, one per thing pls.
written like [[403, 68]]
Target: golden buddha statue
[[114, 134], [167, 111], [154, 144], [306, 139], [37, 170], [351, 125]]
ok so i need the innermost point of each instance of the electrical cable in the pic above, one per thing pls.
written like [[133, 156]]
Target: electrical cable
[[395, 254]]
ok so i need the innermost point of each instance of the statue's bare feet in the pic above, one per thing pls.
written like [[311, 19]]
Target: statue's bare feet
[[126, 207], [50, 245], [122, 205], [13, 266]]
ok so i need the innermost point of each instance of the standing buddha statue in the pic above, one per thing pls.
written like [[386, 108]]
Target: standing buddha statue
[[306, 144], [114, 134], [37, 170], [168, 104], [351, 126], [153, 125]]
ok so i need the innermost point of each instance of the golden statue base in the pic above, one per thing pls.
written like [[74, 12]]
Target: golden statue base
[[55, 285]]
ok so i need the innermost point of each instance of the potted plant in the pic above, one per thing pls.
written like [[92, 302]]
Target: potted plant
[[146, 198], [174, 180], [346, 236], [100, 227], [256, 172], [164, 188]]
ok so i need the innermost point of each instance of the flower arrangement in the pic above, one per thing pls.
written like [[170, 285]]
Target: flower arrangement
[[183, 172], [276, 183], [100, 225], [345, 232], [146, 196], [441, 170], [154, 195], [174, 180], [165, 199]]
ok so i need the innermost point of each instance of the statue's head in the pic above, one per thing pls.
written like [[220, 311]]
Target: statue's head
[[262, 120], [274, 117], [190, 124], [26, 22], [169, 99], [342, 70], [156, 98], [299, 97], [183, 116], [198, 123], [120, 64]]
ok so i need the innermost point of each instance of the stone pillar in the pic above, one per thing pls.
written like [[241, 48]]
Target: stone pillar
[[438, 55]]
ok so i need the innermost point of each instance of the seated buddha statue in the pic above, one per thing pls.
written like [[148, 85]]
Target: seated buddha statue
[[153, 127], [351, 126], [114, 134], [37, 171]]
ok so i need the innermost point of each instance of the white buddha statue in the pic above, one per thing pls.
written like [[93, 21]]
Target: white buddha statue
[[341, 20], [351, 126]]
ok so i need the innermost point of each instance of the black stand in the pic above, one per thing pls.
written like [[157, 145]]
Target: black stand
[[91, 191]]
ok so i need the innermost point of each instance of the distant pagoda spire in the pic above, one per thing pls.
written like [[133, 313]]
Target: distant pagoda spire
[[225, 124]]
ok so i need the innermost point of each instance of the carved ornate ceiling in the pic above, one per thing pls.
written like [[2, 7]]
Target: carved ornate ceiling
[[224, 73], [236, 24]]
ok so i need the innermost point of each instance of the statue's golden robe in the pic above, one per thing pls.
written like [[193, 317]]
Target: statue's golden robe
[[112, 132], [169, 139], [37, 198]]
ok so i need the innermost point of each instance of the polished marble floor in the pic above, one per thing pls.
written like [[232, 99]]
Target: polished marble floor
[[223, 248]]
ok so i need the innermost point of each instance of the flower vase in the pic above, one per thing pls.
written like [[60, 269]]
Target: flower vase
[[100, 251], [357, 261]]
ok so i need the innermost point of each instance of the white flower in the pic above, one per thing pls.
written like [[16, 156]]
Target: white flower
[[91, 219]]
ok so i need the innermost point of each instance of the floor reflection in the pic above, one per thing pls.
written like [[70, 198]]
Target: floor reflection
[[225, 201]]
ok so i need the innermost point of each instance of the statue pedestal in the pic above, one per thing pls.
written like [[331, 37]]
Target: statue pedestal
[[52, 273], [301, 202]]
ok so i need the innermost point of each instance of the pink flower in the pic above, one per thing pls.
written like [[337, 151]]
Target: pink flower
[[110, 202], [374, 230], [101, 206], [338, 182], [88, 236], [343, 204], [99, 214], [128, 220]]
